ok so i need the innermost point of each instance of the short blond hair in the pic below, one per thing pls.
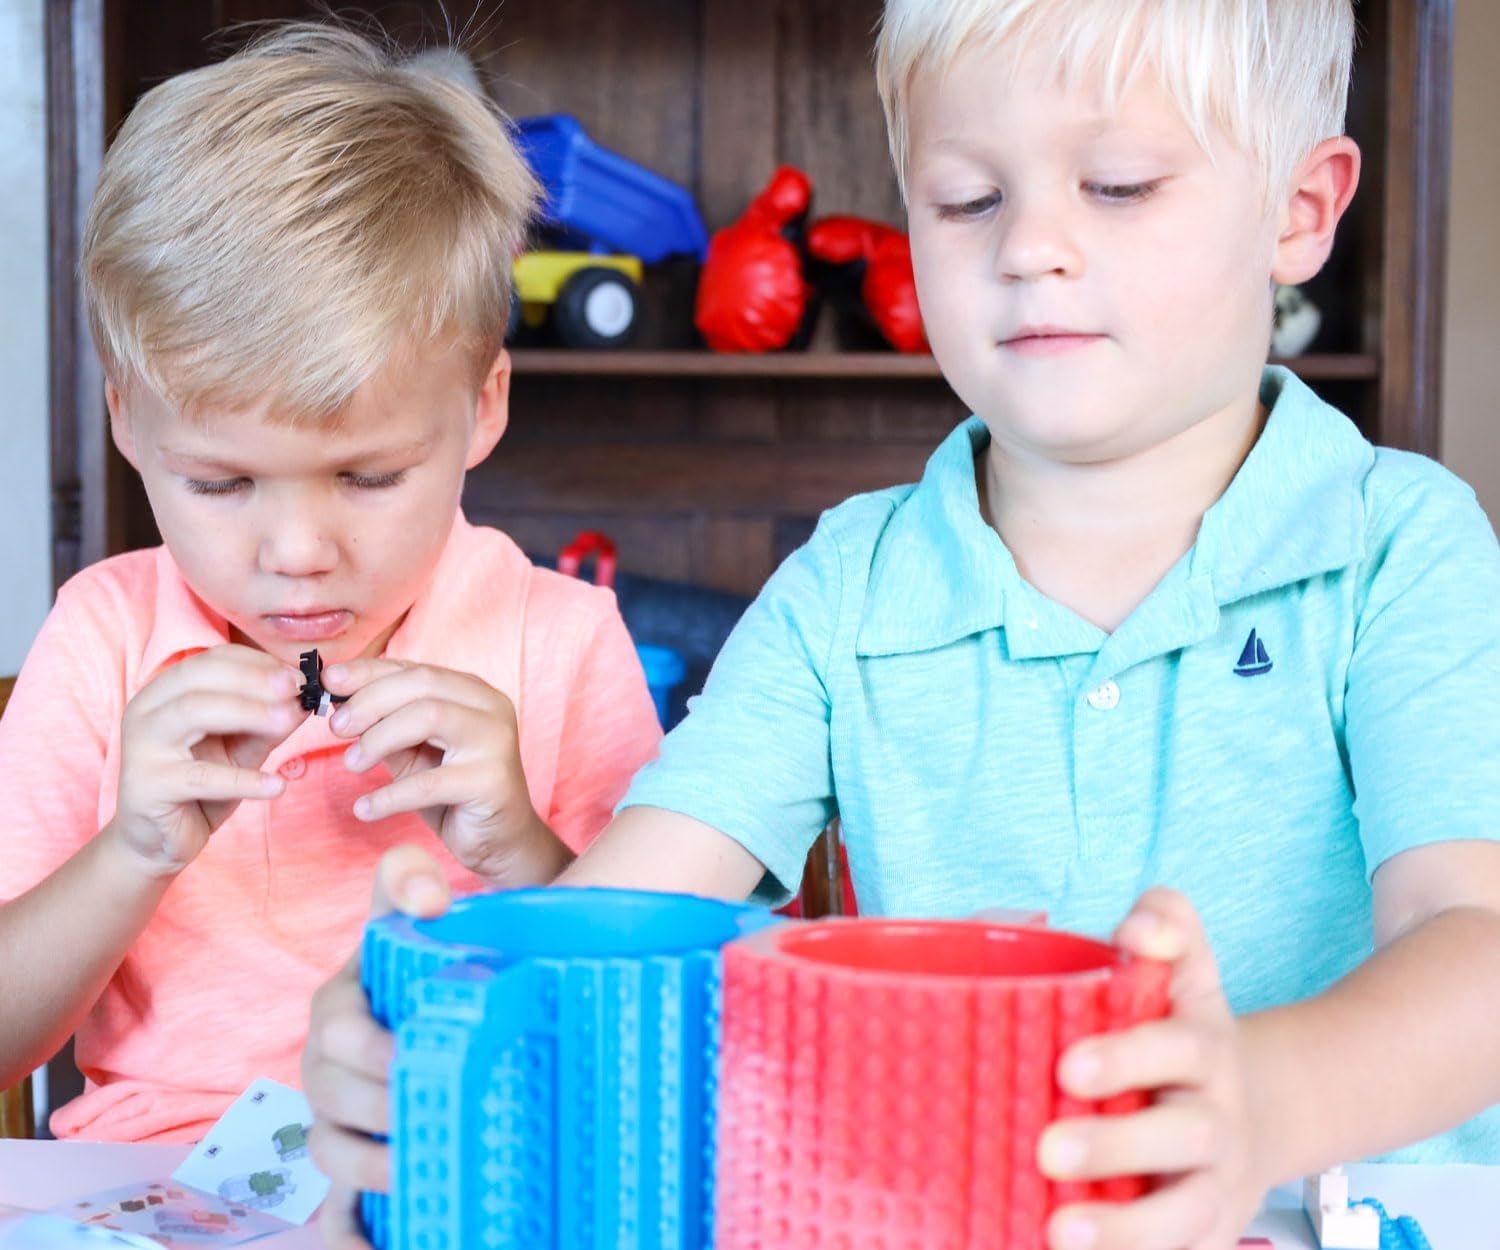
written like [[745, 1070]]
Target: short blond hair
[[1273, 75], [273, 229]]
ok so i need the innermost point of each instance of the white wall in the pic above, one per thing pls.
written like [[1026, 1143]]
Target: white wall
[[25, 527], [1471, 377]]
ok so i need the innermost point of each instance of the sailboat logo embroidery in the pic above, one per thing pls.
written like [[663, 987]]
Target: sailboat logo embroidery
[[1253, 659]]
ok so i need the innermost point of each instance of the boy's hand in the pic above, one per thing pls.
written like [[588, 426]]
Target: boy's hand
[[1200, 1137], [192, 743], [451, 743], [346, 1064]]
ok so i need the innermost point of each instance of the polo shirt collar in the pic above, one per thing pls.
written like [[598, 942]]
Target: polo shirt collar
[[939, 572], [1294, 510], [182, 624], [454, 615], [469, 612]]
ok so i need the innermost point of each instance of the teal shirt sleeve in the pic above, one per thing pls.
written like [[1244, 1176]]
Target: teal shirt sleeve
[[1422, 726], [752, 757]]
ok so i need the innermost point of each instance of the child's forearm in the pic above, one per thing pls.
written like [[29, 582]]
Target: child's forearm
[[61, 942], [538, 858], [649, 848], [1406, 1046]]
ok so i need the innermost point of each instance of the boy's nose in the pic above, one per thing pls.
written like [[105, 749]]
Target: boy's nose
[[1036, 245], [297, 548]]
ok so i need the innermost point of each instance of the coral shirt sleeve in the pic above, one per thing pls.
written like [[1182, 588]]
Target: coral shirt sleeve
[[53, 740]]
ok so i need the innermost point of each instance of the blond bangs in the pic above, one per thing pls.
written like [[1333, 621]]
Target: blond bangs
[[1271, 75], [274, 228]]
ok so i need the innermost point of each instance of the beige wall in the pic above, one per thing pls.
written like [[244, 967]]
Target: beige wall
[[1471, 380]]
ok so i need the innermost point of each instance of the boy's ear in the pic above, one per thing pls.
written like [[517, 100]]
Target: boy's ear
[[491, 410], [119, 424], [1319, 193]]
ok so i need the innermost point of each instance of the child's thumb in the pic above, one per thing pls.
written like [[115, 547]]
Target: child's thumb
[[1165, 927], [408, 879]]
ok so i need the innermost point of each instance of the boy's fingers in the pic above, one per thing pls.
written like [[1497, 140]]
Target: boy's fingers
[[1180, 1214], [231, 669], [1159, 926], [1155, 1055], [406, 687], [338, 1222], [349, 676], [1164, 926], [409, 880], [187, 720], [412, 725], [350, 1159], [1168, 1137], [252, 750], [345, 1035], [447, 786], [196, 781], [348, 1099]]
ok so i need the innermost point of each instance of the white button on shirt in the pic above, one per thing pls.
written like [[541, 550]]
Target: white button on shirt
[[1105, 698]]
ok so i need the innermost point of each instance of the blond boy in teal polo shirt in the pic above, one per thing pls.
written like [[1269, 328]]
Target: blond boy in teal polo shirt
[[1155, 616]]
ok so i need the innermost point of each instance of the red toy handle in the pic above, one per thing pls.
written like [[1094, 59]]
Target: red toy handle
[[590, 543]]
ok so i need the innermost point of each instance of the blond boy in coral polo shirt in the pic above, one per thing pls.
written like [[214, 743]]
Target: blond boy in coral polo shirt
[[296, 267]]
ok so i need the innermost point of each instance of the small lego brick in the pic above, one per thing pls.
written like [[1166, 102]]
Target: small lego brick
[[1336, 1224], [313, 697], [1397, 1232]]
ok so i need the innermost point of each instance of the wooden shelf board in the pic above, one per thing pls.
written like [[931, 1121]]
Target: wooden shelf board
[[834, 365]]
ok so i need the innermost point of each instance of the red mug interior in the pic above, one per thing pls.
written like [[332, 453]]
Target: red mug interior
[[946, 949]]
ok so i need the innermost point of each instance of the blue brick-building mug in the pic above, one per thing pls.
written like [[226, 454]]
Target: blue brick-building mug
[[554, 1080]]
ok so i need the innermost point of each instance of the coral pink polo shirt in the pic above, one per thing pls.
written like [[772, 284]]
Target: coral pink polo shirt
[[216, 990]]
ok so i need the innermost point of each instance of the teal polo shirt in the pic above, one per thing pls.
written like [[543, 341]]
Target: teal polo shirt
[[1311, 690]]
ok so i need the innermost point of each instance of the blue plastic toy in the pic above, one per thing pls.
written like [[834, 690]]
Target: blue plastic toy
[[604, 218], [665, 669], [605, 200], [556, 1055], [1402, 1233]]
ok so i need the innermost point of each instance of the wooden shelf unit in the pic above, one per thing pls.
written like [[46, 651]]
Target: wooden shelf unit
[[710, 468]]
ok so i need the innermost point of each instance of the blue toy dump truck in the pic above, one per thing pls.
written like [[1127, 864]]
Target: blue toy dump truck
[[604, 218]]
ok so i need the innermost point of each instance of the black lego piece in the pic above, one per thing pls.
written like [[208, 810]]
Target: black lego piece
[[311, 664]]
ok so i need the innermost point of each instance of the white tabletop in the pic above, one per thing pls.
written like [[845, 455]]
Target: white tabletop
[[1458, 1207]]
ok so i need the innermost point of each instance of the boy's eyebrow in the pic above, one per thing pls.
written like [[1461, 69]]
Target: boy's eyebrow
[[192, 460], [396, 451], [1096, 127]]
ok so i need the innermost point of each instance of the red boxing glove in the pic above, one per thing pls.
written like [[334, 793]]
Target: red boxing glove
[[751, 294], [785, 198], [889, 288], [843, 240], [890, 291]]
